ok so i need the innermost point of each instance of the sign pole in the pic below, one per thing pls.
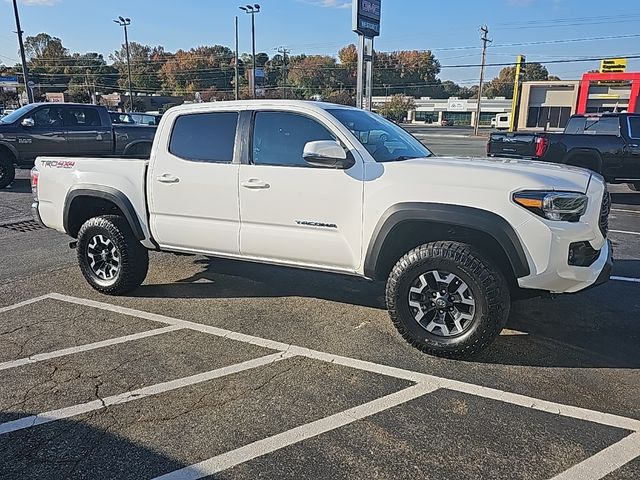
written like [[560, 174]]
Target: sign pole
[[517, 84], [360, 74], [369, 84]]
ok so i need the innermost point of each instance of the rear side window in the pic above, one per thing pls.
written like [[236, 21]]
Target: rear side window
[[205, 137], [634, 127], [575, 126], [602, 126]]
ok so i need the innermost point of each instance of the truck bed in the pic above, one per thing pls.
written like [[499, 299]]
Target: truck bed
[[59, 176]]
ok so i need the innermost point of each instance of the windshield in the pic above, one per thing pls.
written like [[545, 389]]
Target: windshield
[[12, 117], [385, 141]]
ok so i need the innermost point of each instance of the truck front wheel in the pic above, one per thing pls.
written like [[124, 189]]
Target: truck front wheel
[[7, 172], [111, 258], [447, 300]]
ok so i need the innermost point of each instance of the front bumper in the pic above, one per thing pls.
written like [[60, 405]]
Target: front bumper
[[548, 243]]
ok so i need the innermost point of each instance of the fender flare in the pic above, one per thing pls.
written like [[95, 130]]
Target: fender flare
[[455, 215], [135, 143], [12, 151], [588, 152], [105, 193]]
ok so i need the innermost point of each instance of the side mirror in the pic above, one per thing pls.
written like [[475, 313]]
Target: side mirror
[[328, 154], [28, 122]]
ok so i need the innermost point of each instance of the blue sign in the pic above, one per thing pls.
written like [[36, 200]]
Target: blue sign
[[366, 17], [8, 81]]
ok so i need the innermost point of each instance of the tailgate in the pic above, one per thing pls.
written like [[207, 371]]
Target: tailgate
[[519, 145]]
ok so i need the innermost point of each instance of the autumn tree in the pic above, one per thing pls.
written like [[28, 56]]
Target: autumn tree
[[146, 62], [502, 85], [207, 68]]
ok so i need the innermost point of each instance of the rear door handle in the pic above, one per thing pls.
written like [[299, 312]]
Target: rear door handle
[[255, 184], [167, 178]]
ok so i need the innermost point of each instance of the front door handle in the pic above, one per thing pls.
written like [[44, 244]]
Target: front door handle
[[255, 184], [167, 178]]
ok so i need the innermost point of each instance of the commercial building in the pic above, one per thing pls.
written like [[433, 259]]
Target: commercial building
[[456, 111], [548, 105]]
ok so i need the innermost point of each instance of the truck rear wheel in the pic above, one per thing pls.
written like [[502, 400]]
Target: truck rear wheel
[[7, 172], [111, 258], [447, 300]]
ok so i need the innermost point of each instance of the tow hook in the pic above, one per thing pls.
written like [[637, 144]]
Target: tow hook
[[73, 245]]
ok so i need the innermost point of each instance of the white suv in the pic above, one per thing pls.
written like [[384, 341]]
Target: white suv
[[333, 188]]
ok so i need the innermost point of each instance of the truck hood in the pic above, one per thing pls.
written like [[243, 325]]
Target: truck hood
[[504, 173]]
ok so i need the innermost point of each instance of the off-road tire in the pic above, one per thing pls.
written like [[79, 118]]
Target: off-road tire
[[134, 258], [7, 172], [488, 286]]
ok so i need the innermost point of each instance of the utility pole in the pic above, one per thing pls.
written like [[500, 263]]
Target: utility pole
[[237, 69], [485, 40], [25, 68], [125, 22], [284, 52]]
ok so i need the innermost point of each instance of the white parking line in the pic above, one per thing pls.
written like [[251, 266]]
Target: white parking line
[[600, 464], [24, 304], [624, 232], [67, 412], [626, 279], [606, 461], [625, 211], [281, 440], [88, 347], [469, 388]]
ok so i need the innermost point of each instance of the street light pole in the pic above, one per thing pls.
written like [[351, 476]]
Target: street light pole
[[25, 68], [252, 10], [237, 69], [125, 22]]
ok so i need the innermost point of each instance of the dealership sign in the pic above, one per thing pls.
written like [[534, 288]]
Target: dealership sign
[[8, 81], [366, 17]]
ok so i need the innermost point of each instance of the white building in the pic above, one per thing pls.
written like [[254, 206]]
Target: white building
[[455, 110]]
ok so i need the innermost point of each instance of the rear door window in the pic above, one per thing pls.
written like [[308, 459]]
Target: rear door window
[[205, 137], [81, 117]]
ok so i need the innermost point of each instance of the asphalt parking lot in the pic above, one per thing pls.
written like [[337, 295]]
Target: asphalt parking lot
[[218, 369]]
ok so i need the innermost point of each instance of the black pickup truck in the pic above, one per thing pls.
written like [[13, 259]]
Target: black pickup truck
[[65, 129], [607, 143]]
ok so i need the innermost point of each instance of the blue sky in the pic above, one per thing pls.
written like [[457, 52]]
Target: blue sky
[[449, 28]]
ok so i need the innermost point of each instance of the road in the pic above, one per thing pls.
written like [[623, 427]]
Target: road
[[219, 369]]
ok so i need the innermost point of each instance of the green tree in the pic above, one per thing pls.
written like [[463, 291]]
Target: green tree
[[502, 85], [146, 62], [397, 107]]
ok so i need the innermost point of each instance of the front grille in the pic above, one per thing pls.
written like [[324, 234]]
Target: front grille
[[23, 226], [604, 213]]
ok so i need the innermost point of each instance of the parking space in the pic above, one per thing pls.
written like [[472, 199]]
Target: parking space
[[173, 398]]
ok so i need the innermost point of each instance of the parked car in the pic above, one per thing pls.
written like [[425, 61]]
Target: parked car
[[122, 118], [502, 121], [65, 129], [146, 119], [327, 187], [6, 112], [605, 143]]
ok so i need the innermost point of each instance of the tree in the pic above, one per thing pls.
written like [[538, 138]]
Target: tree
[[146, 62], [502, 85], [315, 74], [199, 69], [397, 107]]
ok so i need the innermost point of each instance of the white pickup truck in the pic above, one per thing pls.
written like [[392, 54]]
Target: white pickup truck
[[333, 188]]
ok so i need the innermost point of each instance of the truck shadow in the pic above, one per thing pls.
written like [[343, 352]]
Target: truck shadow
[[632, 198], [19, 185], [74, 449], [598, 328]]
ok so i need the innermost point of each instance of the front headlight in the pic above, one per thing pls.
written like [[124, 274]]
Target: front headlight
[[561, 206]]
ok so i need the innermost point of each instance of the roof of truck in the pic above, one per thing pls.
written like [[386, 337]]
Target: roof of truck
[[262, 103]]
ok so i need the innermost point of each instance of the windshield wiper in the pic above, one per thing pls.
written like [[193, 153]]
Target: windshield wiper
[[400, 158]]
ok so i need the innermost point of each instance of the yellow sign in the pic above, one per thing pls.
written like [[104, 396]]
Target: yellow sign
[[613, 65]]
